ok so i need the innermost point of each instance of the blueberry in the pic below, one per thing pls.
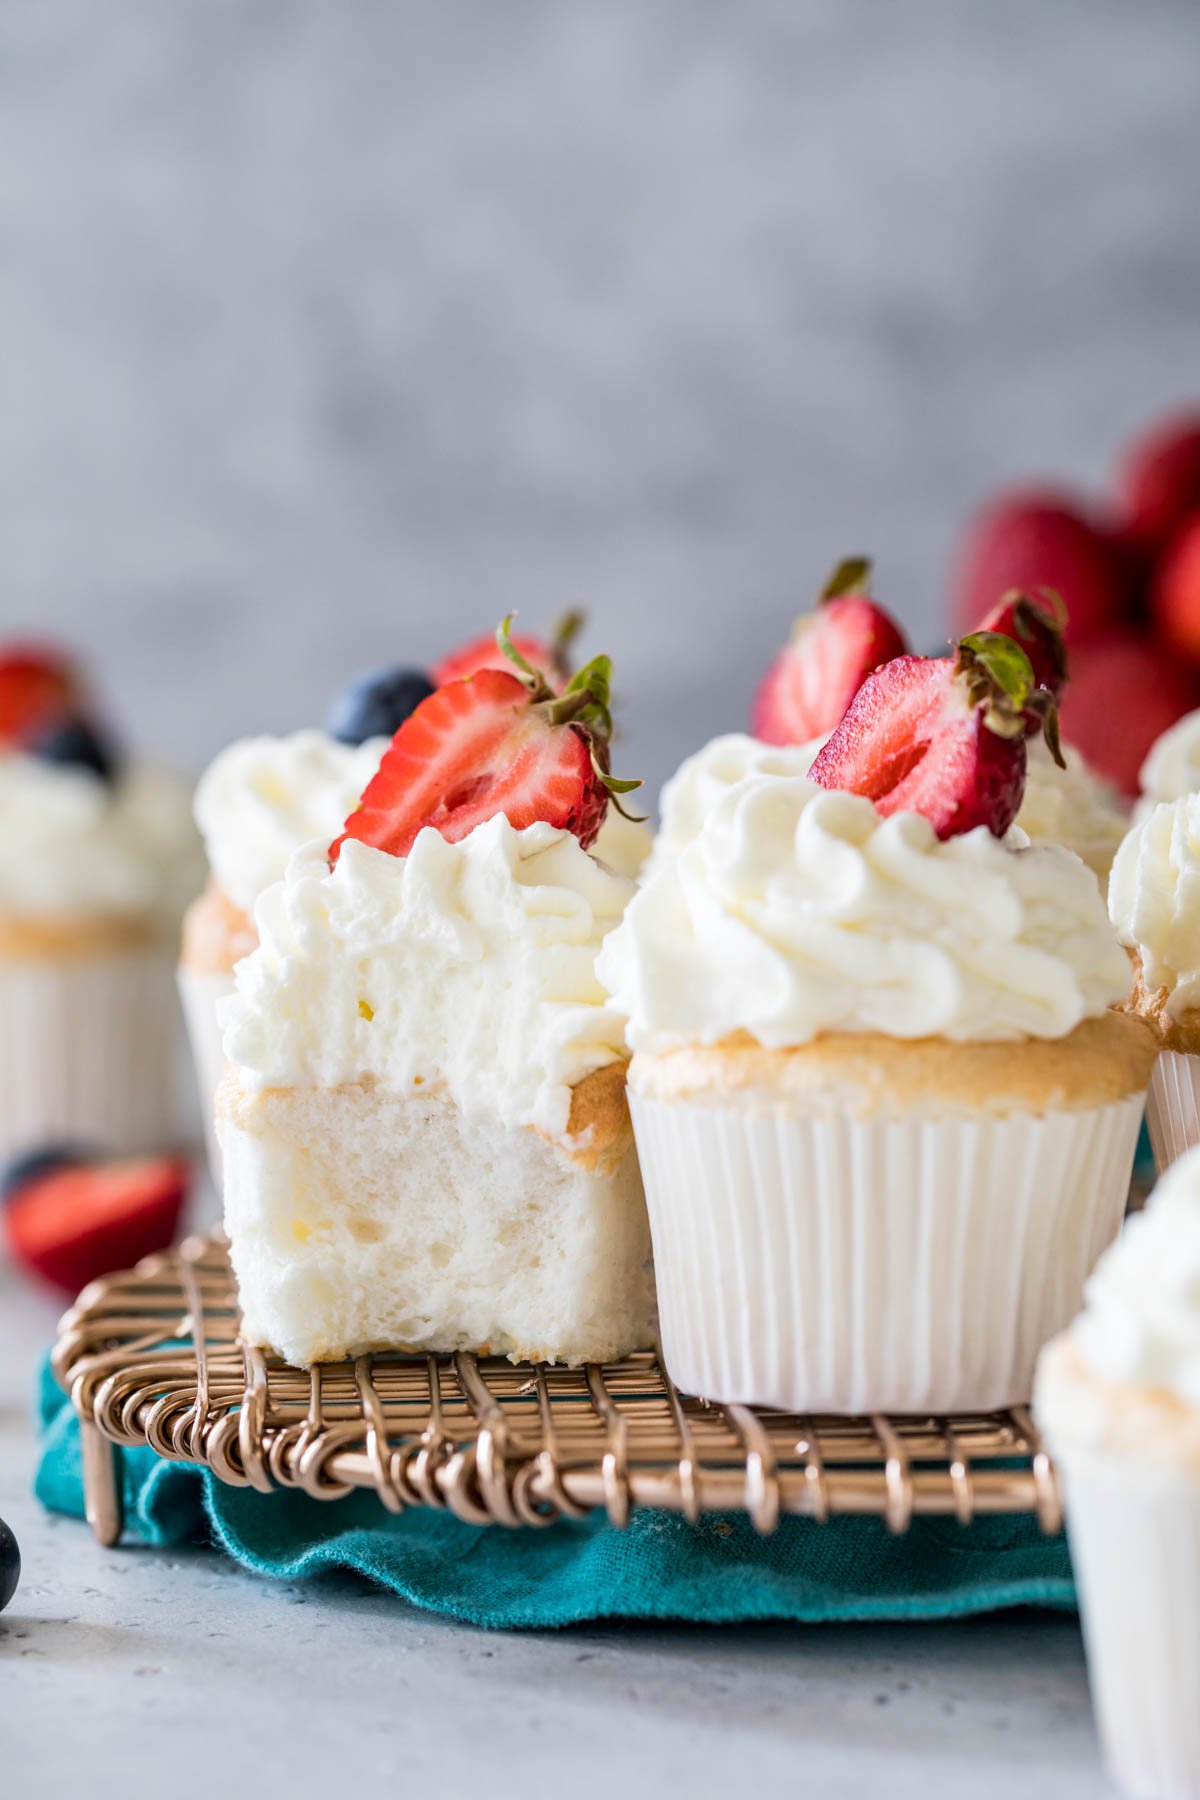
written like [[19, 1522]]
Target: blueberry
[[376, 705], [46, 1161], [10, 1565], [75, 742]]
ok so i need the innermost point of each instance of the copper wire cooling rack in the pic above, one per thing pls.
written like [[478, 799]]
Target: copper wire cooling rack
[[153, 1357]]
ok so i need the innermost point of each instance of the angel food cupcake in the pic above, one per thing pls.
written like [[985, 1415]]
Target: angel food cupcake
[[100, 861], [424, 1130], [885, 1116], [1154, 901], [1118, 1402]]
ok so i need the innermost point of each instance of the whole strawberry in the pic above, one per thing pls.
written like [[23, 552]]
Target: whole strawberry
[[495, 742], [831, 652], [1038, 627], [942, 736]]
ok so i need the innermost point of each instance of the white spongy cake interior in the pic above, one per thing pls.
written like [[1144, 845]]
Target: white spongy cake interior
[[361, 1219]]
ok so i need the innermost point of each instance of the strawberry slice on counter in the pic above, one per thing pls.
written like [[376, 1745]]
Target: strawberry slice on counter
[[549, 655], [812, 681], [496, 742], [71, 1219], [1039, 627], [38, 687], [942, 736]]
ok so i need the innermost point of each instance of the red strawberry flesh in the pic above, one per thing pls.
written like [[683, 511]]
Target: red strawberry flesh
[[473, 750], [814, 678], [84, 1221], [37, 686], [912, 741]]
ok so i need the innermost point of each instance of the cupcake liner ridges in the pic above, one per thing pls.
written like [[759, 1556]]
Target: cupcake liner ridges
[[89, 1051], [1173, 1106], [1135, 1546], [824, 1264], [199, 992]]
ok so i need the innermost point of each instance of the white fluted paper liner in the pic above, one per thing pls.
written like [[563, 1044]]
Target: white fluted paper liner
[[199, 991], [1173, 1106], [89, 1051], [825, 1264], [1135, 1548]]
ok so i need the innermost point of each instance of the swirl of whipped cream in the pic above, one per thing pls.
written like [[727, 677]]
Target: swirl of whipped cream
[[1071, 807], [77, 846], [468, 968], [263, 797], [1141, 1319], [797, 911], [702, 778], [1172, 768], [1154, 899]]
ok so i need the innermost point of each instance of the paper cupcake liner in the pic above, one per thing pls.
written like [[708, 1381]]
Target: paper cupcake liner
[[823, 1264], [89, 1050], [199, 991], [1173, 1106], [1135, 1546]]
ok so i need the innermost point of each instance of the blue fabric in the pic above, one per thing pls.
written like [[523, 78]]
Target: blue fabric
[[659, 1568]]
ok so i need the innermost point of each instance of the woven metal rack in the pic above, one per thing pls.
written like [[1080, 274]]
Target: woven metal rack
[[153, 1357]]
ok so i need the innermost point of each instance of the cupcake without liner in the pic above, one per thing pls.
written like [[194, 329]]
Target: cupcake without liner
[[256, 803], [425, 1137], [1154, 902], [91, 894], [1118, 1403], [885, 1115]]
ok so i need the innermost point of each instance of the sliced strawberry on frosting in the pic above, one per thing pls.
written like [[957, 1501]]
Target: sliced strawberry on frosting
[[1038, 626], [812, 681], [942, 736], [38, 687], [549, 655], [497, 742]]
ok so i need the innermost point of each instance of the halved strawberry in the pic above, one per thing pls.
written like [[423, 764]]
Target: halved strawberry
[[87, 1218], [497, 742], [832, 651], [549, 655], [37, 687], [941, 736], [1038, 627]]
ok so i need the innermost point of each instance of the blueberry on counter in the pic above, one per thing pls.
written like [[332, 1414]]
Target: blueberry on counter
[[376, 705], [76, 743], [10, 1565], [35, 1163]]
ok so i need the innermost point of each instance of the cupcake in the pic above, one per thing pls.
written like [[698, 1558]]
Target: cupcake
[[705, 776], [885, 1113], [1118, 1402], [101, 860], [257, 802], [1068, 804], [1154, 902], [1172, 768], [425, 1138]]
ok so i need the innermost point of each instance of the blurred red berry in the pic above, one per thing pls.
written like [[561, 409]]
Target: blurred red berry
[[1175, 594], [1034, 539], [1123, 693], [1158, 481]]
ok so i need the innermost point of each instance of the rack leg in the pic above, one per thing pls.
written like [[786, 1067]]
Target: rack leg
[[101, 1484]]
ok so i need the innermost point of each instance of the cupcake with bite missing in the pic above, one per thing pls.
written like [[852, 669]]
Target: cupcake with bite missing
[[885, 1110], [101, 859]]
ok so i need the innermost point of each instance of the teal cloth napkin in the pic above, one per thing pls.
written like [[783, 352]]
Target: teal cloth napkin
[[659, 1568]]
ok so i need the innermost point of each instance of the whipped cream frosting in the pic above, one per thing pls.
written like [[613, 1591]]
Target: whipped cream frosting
[[798, 911], [76, 845], [704, 777], [468, 968], [263, 797], [623, 844], [1154, 899], [1071, 807], [1172, 768]]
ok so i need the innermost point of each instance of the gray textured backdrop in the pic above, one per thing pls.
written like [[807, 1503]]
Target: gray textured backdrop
[[332, 330]]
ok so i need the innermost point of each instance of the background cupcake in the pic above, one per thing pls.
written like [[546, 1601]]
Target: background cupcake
[[1118, 1401], [101, 859], [885, 1115]]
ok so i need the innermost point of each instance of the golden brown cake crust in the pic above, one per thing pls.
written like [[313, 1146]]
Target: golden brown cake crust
[[868, 1075], [51, 939], [1180, 1031], [216, 933]]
